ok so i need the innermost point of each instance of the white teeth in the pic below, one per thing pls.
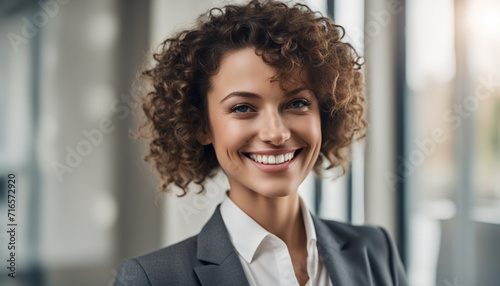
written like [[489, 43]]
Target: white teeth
[[280, 159], [271, 159], [264, 160]]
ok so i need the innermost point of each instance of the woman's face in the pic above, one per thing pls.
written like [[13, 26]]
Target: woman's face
[[266, 139]]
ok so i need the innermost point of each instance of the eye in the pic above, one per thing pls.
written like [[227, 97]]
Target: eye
[[241, 108], [299, 103]]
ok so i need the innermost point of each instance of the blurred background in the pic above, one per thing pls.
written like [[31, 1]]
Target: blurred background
[[429, 170]]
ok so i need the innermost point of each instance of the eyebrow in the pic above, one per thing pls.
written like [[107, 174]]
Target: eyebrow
[[247, 94]]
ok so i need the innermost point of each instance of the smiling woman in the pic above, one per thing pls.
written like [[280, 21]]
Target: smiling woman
[[249, 116], [266, 93]]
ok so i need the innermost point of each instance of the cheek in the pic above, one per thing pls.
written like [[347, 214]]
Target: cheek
[[316, 127], [228, 137], [227, 131], [310, 128]]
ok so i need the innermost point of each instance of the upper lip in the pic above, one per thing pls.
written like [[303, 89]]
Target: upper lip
[[272, 151]]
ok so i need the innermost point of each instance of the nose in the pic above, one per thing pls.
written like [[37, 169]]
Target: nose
[[274, 129]]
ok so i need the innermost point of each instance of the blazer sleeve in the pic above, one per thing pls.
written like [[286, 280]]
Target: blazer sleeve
[[131, 273], [396, 266]]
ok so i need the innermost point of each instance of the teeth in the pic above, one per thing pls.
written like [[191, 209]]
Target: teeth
[[271, 159], [264, 160], [280, 159]]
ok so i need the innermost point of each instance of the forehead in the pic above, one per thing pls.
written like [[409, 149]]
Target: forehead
[[241, 66], [243, 69]]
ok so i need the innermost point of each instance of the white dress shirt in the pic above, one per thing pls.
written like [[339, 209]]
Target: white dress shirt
[[264, 256]]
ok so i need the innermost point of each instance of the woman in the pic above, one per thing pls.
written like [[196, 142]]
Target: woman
[[267, 93]]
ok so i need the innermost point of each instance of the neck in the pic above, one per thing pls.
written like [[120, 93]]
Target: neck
[[280, 216]]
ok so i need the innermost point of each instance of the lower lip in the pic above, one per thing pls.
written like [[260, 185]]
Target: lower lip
[[274, 168]]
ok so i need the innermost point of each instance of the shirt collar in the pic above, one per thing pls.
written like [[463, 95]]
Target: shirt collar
[[246, 234]]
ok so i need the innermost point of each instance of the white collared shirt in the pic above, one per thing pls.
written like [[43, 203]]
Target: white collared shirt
[[264, 256]]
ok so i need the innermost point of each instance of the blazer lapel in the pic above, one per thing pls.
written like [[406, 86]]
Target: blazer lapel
[[346, 264], [215, 250]]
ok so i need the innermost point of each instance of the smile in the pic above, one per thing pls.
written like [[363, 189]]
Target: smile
[[268, 159]]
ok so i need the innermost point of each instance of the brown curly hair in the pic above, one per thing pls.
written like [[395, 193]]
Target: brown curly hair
[[291, 39]]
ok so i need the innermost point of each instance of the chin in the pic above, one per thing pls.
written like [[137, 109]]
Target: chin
[[274, 191]]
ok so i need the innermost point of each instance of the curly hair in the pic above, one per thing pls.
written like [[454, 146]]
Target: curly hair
[[291, 39]]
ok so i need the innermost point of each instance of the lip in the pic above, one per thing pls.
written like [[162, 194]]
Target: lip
[[275, 168], [272, 151]]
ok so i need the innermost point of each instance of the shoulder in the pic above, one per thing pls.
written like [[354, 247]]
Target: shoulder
[[366, 235], [173, 264], [374, 239], [381, 252], [177, 264]]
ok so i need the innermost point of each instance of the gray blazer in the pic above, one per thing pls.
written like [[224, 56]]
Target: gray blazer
[[353, 255]]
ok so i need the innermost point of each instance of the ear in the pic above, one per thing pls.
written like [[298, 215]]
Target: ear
[[204, 136]]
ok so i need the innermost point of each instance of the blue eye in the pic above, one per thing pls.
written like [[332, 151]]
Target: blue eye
[[301, 103], [240, 109]]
